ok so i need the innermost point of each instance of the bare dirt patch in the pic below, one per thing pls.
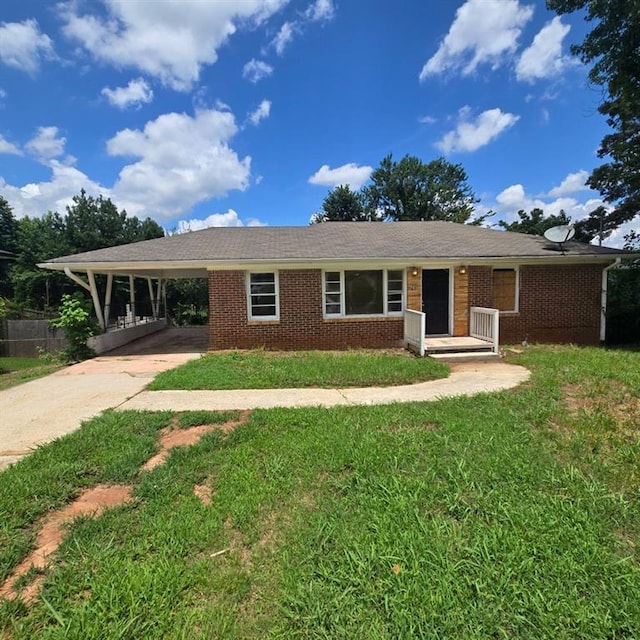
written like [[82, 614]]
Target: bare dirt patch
[[174, 437], [203, 493], [92, 503]]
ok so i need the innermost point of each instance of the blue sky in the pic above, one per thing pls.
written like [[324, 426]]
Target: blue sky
[[222, 112]]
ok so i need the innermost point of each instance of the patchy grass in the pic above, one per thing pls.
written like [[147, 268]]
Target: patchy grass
[[14, 371], [503, 515], [272, 370]]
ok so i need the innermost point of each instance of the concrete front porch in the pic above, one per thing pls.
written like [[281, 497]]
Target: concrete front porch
[[456, 349]]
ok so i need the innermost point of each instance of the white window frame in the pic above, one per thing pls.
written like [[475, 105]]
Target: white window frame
[[516, 301], [341, 293], [276, 281]]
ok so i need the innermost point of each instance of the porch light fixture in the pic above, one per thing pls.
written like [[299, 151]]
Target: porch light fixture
[[414, 271], [462, 270]]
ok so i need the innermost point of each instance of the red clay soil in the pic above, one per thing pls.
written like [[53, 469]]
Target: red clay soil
[[91, 503], [94, 501], [171, 437]]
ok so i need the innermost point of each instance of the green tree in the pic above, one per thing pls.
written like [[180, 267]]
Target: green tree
[[9, 243], [612, 48], [90, 223], [413, 190], [535, 223], [342, 205]]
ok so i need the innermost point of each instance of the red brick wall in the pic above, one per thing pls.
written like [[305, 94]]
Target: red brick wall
[[558, 303], [301, 325]]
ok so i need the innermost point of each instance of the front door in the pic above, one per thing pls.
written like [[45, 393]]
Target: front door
[[435, 300]]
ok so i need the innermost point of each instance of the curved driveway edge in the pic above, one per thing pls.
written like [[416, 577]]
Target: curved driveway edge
[[464, 380]]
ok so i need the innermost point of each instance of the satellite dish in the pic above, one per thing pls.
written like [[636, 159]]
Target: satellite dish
[[561, 233]]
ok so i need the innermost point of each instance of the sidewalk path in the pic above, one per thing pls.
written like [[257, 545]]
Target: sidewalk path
[[464, 379], [42, 410]]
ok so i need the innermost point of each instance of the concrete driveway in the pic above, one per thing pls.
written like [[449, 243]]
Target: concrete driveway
[[47, 408]]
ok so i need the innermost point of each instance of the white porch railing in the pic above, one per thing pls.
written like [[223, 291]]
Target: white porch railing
[[485, 325], [414, 330]]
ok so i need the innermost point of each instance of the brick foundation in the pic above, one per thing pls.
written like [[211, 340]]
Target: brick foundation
[[558, 303], [301, 325]]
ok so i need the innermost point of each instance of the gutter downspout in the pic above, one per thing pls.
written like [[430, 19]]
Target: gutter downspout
[[603, 298]]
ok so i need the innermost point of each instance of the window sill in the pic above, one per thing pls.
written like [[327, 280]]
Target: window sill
[[330, 319]]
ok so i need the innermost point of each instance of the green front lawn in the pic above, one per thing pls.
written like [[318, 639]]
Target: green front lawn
[[273, 370], [508, 515], [15, 371]]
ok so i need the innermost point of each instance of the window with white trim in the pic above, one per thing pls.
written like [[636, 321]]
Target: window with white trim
[[262, 296], [505, 287], [363, 292]]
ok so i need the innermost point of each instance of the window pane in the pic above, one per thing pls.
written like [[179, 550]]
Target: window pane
[[332, 309], [332, 276], [363, 292], [267, 310], [333, 286], [395, 307], [504, 289], [262, 300], [262, 277]]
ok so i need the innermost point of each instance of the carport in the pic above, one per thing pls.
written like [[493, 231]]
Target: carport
[[141, 316]]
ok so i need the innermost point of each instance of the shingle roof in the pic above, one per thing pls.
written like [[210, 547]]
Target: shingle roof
[[335, 241]]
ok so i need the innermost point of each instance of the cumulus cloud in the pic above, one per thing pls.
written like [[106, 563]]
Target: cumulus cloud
[[483, 31], [46, 144], [262, 112], [8, 147], [256, 70], [22, 45], [351, 174], [515, 197], [136, 92], [573, 183], [470, 135], [228, 219], [543, 58], [168, 39], [183, 160], [35, 199]]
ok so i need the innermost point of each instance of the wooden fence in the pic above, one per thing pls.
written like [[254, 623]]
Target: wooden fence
[[22, 338]]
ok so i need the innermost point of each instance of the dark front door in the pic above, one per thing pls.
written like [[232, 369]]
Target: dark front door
[[435, 300]]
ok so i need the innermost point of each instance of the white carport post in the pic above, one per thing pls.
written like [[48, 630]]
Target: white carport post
[[107, 299], [153, 297], [132, 300], [156, 310], [92, 289]]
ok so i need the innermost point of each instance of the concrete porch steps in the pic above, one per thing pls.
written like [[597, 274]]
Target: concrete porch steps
[[459, 349]]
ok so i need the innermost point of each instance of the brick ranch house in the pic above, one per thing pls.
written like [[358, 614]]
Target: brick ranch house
[[359, 284]]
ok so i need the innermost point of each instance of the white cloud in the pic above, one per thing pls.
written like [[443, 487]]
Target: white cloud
[[135, 93], [543, 58], [22, 46], [35, 199], [470, 135], [427, 120], [256, 70], [3, 94], [320, 11], [229, 219], [350, 174], [483, 31], [262, 112], [8, 147], [183, 160], [573, 183], [167, 39], [515, 197], [284, 37], [46, 145]]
